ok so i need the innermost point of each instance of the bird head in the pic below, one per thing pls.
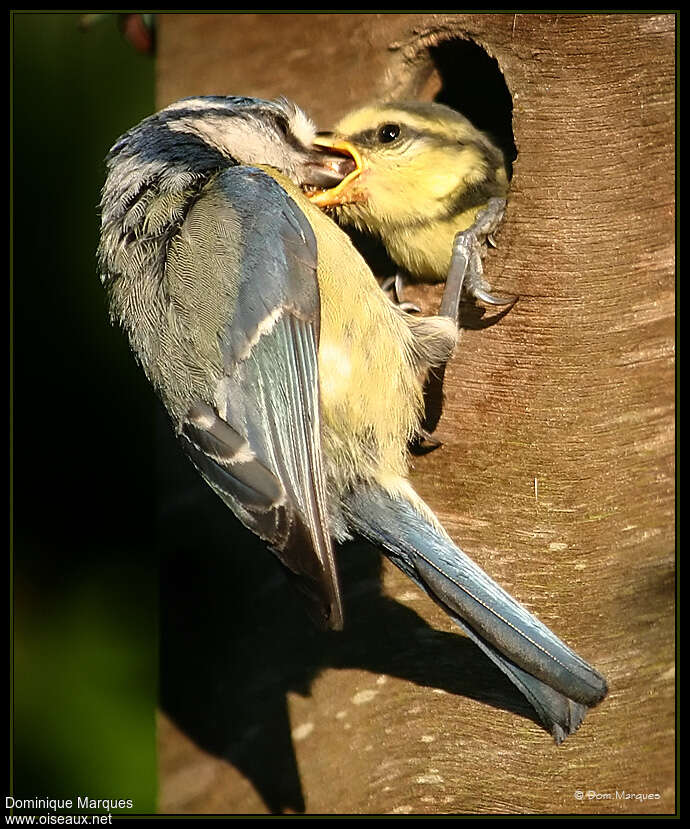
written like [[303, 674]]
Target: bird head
[[158, 168], [196, 136], [413, 162]]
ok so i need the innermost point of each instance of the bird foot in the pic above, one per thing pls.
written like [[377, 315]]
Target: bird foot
[[394, 287], [466, 273]]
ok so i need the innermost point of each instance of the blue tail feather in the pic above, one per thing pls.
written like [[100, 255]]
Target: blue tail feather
[[558, 683]]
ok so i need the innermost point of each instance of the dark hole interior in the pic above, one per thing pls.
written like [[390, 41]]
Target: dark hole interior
[[472, 83]]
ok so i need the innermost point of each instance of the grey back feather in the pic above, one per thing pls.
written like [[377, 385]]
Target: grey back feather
[[211, 270]]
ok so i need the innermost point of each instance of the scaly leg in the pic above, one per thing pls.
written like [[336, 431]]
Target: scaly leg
[[465, 271]]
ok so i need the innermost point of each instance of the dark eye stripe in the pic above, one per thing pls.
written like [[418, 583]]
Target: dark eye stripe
[[372, 137]]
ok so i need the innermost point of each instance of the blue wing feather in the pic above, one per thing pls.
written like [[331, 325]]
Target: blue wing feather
[[258, 444]]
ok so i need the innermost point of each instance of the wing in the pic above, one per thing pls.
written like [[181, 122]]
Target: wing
[[246, 257]]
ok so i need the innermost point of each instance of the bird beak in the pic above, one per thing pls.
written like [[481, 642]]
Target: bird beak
[[322, 169], [350, 165]]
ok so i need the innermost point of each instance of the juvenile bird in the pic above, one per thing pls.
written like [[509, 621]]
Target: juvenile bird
[[427, 183], [293, 383]]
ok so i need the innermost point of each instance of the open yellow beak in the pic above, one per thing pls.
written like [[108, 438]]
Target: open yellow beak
[[337, 195]]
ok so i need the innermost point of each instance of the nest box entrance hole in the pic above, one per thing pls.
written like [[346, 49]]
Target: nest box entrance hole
[[463, 75]]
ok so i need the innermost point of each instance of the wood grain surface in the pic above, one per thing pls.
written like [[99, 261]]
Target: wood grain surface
[[556, 474]]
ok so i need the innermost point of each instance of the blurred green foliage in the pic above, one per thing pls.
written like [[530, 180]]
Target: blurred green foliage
[[84, 563]]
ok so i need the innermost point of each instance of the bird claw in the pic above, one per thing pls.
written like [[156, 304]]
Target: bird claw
[[388, 285], [394, 287], [409, 308], [465, 273], [424, 442], [489, 218], [492, 299]]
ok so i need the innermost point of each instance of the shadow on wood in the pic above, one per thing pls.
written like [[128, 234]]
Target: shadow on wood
[[235, 640]]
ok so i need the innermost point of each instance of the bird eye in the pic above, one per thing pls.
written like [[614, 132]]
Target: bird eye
[[388, 133]]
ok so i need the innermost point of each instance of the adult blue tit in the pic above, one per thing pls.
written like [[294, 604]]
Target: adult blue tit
[[293, 383], [427, 183]]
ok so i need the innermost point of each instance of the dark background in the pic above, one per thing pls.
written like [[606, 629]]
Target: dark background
[[84, 570]]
